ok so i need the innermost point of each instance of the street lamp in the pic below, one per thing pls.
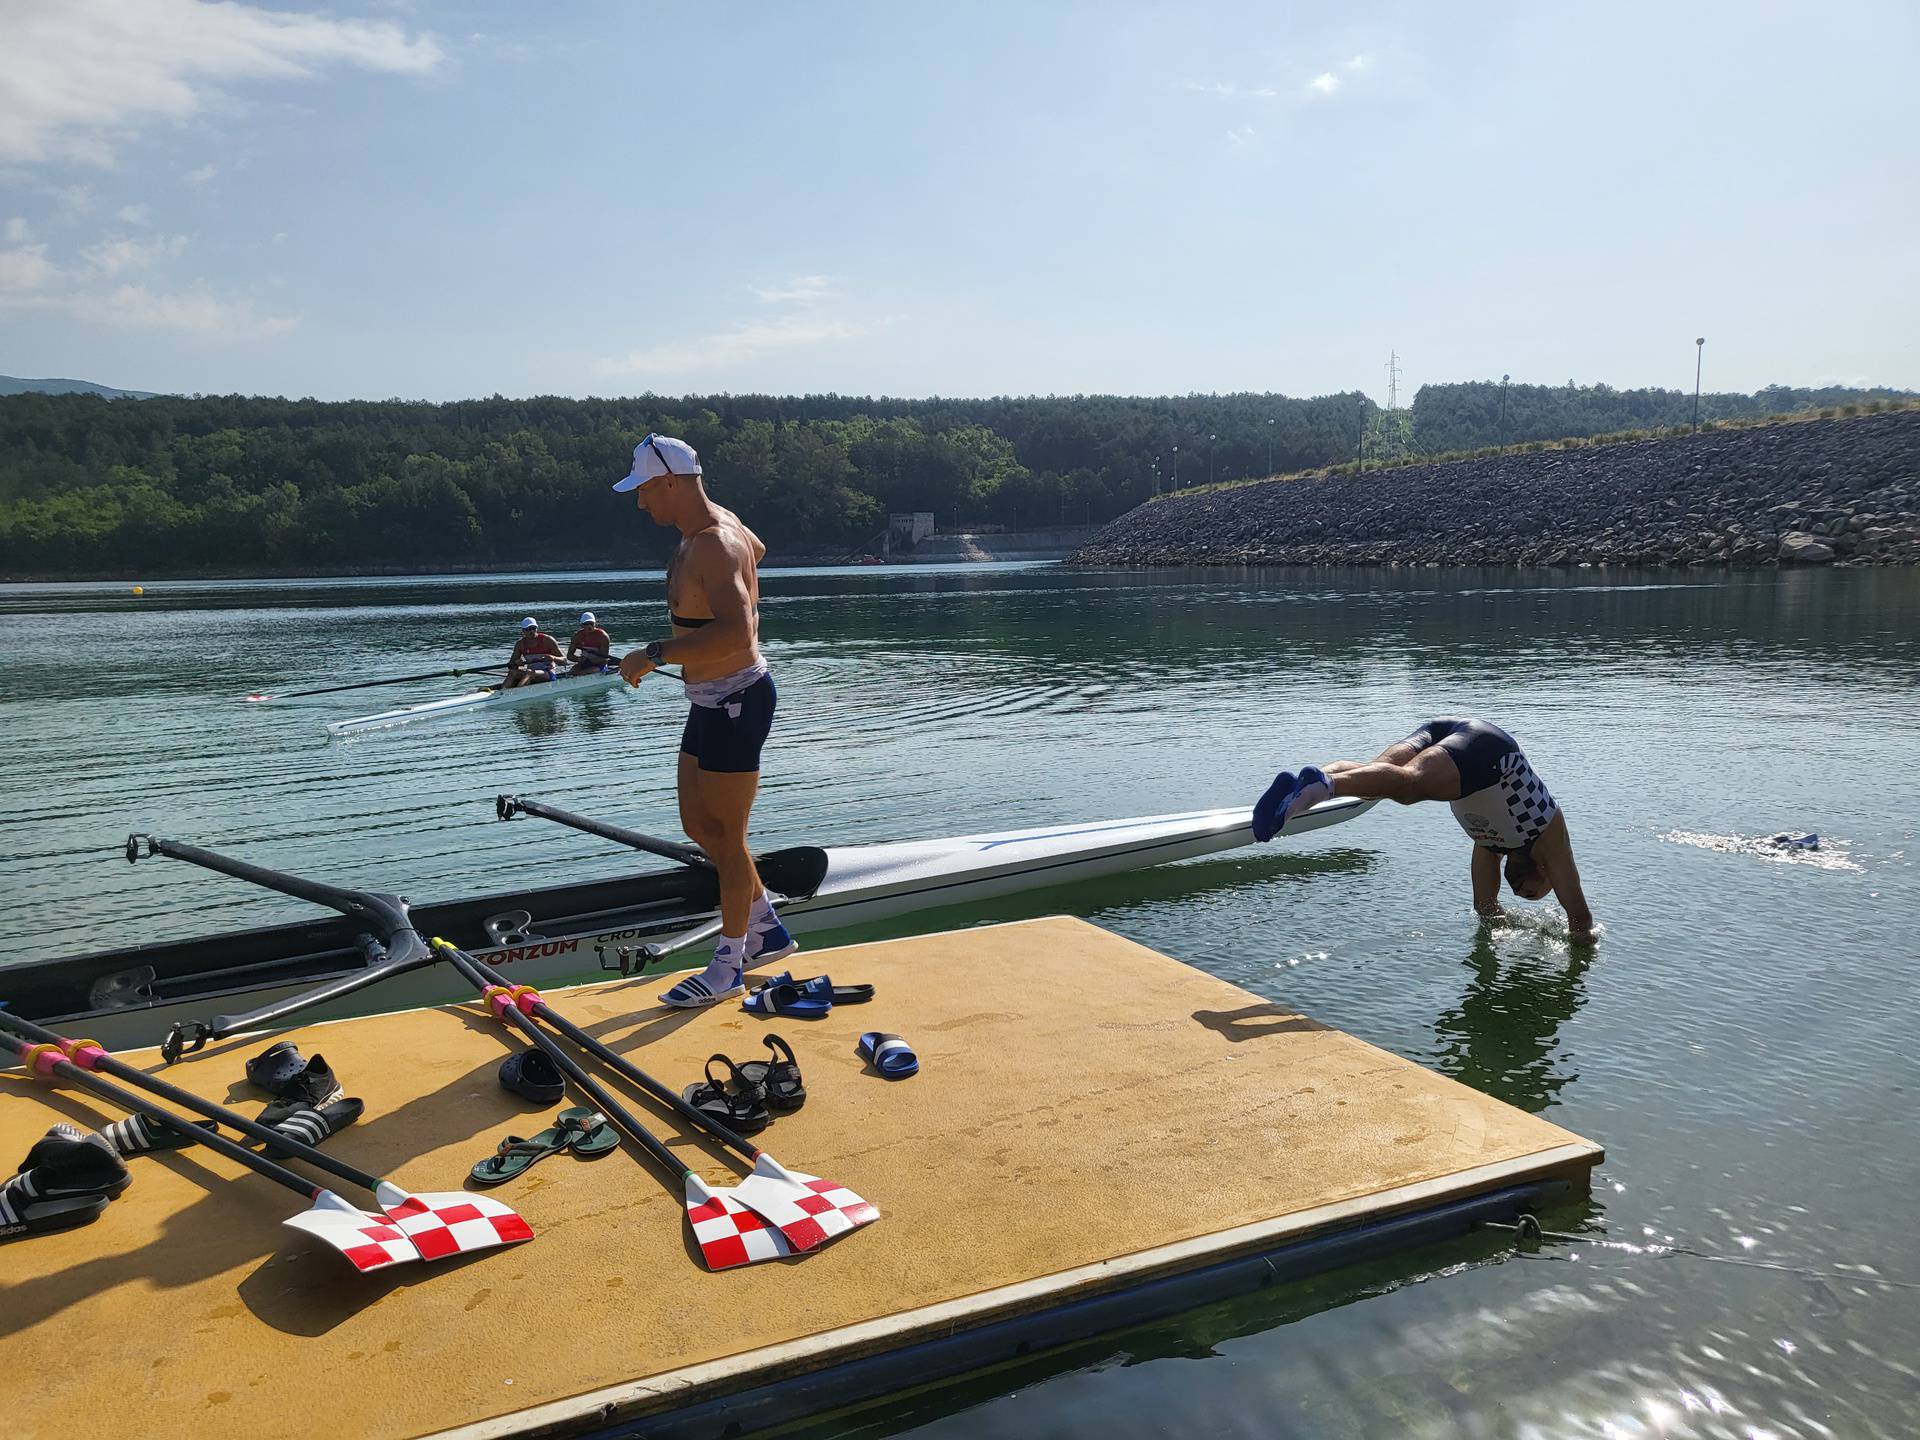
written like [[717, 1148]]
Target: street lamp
[[1269, 447], [1699, 349], [1210, 440], [1156, 475], [1503, 410], [1176, 467]]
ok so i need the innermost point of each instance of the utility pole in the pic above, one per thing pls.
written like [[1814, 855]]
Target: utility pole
[[1699, 349], [1503, 410], [1210, 448], [1269, 447]]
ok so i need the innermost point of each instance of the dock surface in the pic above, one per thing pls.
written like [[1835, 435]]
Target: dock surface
[[1089, 1115]]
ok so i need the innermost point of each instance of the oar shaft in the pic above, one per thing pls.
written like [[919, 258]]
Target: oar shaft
[[320, 1160], [613, 1058], [219, 1144], [585, 1083], [391, 680], [506, 806]]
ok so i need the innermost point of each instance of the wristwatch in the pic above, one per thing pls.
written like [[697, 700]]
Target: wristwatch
[[653, 652]]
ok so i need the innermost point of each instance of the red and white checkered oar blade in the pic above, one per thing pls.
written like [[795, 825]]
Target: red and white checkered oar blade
[[448, 1223], [728, 1233], [805, 1209], [369, 1242]]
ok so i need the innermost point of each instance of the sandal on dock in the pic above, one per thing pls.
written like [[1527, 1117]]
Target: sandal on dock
[[583, 1131], [780, 1077], [533, 1075], [782, 996], [66, 1180], [821, 987], [732, 1099], [889, 1055]]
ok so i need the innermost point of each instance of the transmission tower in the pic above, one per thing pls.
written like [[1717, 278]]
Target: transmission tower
[[1393, 380]]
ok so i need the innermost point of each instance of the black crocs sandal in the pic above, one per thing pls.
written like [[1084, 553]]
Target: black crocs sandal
[[733, 1101], [532, 1075], [780, 1077], [281, 1072]]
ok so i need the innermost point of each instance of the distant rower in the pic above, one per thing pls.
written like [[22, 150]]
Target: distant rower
[[591, 647], [1479, 770], [534, 654]]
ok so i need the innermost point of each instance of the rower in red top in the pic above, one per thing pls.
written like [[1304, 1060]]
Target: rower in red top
[[590, 650], [534, 654]]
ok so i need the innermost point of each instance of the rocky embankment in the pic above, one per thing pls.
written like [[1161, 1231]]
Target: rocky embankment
[[1822, 492]]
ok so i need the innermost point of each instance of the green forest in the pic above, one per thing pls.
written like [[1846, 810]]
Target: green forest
[[235, 485]]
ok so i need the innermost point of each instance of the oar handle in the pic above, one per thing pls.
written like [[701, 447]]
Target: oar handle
[[585, 1083], [613, 1058], [133, 1104], [101, 1060]]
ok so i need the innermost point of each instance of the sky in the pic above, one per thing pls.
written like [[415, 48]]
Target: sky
[[439, 201]]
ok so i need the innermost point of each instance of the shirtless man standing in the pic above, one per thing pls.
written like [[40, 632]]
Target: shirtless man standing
[[1479, 770], [713, 600]]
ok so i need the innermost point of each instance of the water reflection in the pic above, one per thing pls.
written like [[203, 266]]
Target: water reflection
[[1503, 1038]]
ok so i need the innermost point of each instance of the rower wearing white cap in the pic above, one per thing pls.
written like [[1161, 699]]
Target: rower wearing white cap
[[713, 600], [533, 655], [589, 650]]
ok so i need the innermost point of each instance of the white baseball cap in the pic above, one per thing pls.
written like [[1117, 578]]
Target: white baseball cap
[[586, 618], [529, 623], [659, 455]]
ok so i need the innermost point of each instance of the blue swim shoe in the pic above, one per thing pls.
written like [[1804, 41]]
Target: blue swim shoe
[[1270, 809], [1310, 789]]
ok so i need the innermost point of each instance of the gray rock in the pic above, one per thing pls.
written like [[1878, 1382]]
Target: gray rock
[[1799, 548]]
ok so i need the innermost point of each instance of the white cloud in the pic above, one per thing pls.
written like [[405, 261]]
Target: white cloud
[[29, 280], [82, 74], [1358, 62], [1227, 90], [1241, 138], [110, 257], [743, 342], [800, 290], [25, 270], [1324, 83], [201, 175], [135, 215], [195, 312], [18, 231]]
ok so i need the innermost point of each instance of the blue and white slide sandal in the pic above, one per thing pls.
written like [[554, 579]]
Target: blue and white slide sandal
[[781, 996], [891, 1056]]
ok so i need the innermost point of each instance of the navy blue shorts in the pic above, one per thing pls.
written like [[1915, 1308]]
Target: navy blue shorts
[[726, 738], [1476, 747]]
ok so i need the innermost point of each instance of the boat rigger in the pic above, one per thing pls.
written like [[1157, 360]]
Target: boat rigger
[[137, 995]]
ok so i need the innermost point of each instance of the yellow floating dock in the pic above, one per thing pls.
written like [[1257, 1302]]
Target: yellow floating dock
[[1098, 1135]]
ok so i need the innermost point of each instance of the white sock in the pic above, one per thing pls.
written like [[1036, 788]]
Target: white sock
[[762, 916], [723, 972]]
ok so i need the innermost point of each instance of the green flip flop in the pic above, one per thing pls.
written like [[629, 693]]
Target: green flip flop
[[589, 1132]]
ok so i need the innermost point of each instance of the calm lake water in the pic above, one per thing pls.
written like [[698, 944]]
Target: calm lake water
[[1743, 1041]]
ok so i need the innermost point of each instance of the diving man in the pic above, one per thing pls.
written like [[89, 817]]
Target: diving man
[[1479, 770]]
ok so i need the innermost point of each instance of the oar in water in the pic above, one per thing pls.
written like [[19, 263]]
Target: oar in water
[[730, 1231], [429, 1226], [807, 1210], [390, 680]]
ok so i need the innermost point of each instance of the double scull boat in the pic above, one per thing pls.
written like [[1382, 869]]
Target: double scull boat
[[640, 923], [491, 697]]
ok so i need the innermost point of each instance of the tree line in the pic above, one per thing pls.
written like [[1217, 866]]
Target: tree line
[[235, 484]]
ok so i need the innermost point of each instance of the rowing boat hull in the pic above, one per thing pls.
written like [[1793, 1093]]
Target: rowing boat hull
[[487, 699], [568, 932]]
